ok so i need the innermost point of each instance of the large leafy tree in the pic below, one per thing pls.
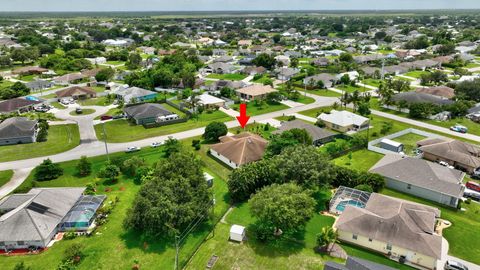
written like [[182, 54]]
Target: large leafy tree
[[175, 195], [281, 209], [265, 60], [468, 90], [105, 75], [84, 166], [286, 139], [214, 130]]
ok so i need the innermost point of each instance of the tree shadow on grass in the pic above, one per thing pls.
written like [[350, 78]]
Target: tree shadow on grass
[[280, 247], [135, 240]]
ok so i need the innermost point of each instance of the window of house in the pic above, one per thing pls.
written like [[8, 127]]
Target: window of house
[[355, 237], [389, 246], [20, 243], [409, 186], [2, 243], [370, 240]]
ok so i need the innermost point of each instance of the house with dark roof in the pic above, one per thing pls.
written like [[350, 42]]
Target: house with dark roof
[[148, 113], [18, 130], [34, 218], [421, 178], [219, 68], [240, 149], [135, 94], [417, 97], [461, 155], [39, 85], [439, 91], [328, 80], [20, 105], [319, 135], [394, 227], [76, 92], [354, 263]]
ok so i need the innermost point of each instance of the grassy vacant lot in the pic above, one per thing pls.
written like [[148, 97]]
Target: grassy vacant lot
[[295, 253], [351, 89], [99, 101], [362, 160], [113, 246], [84, 112], [123, 131], [232, 77], [253, 109], [60, 139], [416, 73], [372, 82], [409, 142], [255, 128], [462, 236], [5, 176]]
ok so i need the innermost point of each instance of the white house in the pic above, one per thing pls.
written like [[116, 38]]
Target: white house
[[344, 121]]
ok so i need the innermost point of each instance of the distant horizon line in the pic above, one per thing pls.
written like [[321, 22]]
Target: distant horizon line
[[242, 10]]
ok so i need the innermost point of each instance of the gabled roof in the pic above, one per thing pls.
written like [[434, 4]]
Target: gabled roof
[[416, 97], [36, 218], [458, 151], [441, 91], [401, 223], [16, 127], [421, 173], [146, 110], [343, 118], [256, 90], [242, 148], [315, 132]]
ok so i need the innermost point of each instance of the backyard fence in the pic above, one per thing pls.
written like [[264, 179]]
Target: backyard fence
[[372, 147]]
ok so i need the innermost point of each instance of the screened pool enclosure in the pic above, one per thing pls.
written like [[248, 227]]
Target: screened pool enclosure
[[82, 214]]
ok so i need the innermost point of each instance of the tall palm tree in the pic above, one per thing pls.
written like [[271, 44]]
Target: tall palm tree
[[345, 99]]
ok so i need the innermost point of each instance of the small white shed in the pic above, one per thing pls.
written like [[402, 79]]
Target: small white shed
[[209, 179], [237, 233]]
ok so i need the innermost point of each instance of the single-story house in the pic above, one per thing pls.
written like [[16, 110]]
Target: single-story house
[[421, 178], [286, 74], [220, 84], [393, 227], [328, 80], [255, 91], [344, 121], [29, 70], [33, 219], [463, 156], [223, 59], [148, 113], [353, 75], [321, 62], [17, 105], [319, 135], [354, 263], [69, 78], [210, 101], [219, 68], [239, 149], [18, 130], [444, 92], [76, 92], [39, 85], [416, 97], [135, 94]]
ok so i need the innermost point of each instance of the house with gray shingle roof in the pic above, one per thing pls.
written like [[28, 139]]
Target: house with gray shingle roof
[[319, 135], [135, 94], [148, 113], [421, 178], [18, 130]]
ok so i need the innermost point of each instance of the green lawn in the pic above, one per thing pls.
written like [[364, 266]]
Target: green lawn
[[304, 99], [111, 112], [263, 79], [255, 128], [28, 78], [84, 112], [372, 82], [472, 65], [232, 77], [5, 176], [462, 236], [416, 73], [351, 89], [324, 93], [112, 245], [362, 160], [57, 105], [409, 142], [253, 109], [115, 63], [122, 131], [99, 101], [61, 138]]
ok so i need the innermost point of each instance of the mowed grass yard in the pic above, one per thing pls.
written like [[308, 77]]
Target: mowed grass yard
[[232, 77], [60, 138], [113, 247], [5, 176], [253, 109], [409, 142], [123, 131]]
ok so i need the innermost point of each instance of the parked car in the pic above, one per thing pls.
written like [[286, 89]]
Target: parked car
[[459, 128], [454, 265], [472, 195], [105, 117], [78, 110], [473, 186], [156, 144], [118, 116], [445, 164], [132, 149]]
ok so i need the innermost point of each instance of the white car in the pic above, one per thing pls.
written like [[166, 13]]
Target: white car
[[156, 144], [132, 149]]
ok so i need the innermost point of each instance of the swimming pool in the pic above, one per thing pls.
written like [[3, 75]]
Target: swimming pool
[[341, 205]]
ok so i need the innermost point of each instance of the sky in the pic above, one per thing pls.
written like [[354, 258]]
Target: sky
[[215, 5]]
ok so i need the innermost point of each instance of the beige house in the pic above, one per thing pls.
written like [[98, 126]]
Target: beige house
[[461, 155], [401, 229], [344, 121], [240, 149], [254, 92]]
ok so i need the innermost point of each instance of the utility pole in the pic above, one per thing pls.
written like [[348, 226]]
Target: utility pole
[[213, 214], [105, 140]]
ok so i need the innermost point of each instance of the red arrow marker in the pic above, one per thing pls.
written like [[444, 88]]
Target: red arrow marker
[[243, 118]]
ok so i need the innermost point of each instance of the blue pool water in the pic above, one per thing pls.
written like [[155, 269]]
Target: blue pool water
[[341, 205]]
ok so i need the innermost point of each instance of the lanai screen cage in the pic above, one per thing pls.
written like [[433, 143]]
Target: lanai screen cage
[[348, 196], [82, 213]]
